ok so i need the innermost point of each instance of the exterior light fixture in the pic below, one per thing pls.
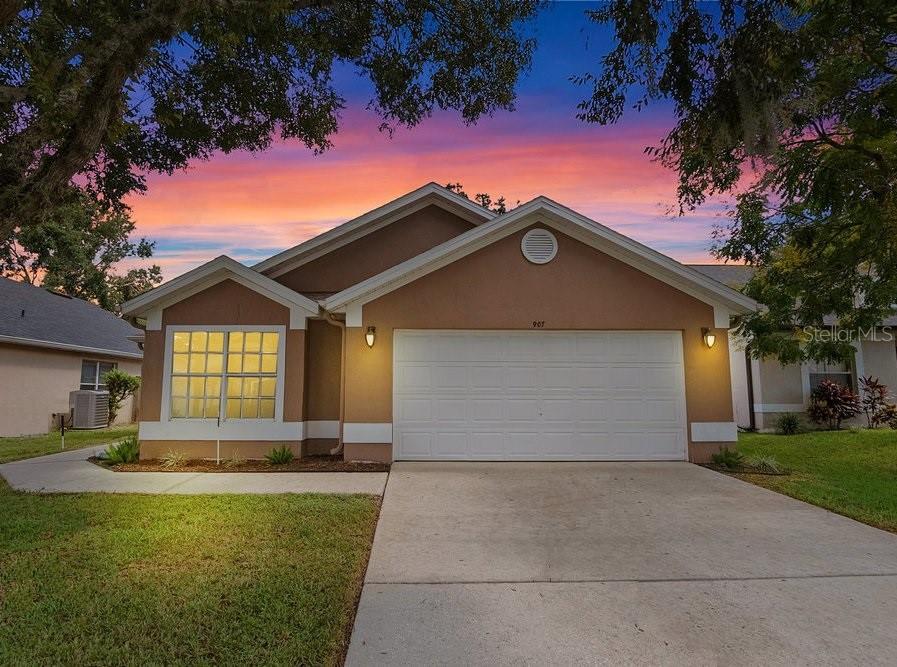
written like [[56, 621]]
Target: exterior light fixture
[[370, 336], [709, 337]]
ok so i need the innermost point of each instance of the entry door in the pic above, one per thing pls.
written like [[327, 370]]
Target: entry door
[[546, 395]]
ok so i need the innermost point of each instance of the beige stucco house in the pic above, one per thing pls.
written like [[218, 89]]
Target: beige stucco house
[[433, 329], [50, 345], [764, 389]]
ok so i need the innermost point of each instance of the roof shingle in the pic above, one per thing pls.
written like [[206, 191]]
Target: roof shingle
[[54, 320]]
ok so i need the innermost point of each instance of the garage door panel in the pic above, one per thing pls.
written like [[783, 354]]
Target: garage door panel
[[538, 395], [486, 377]]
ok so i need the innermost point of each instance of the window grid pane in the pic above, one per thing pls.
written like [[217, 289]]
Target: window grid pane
[[203, 376]]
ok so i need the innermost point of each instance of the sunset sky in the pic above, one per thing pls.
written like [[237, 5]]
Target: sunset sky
[[251, 206]]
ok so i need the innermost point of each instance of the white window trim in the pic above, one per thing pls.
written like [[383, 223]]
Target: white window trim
[[856, 372], [165, 412], [96, 372]]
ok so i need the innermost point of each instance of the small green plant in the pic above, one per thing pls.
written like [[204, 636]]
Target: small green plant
[[280, 455], [235, 460], [124, 451], [174, 459], [766, 464], [788, 424], [728, 458]]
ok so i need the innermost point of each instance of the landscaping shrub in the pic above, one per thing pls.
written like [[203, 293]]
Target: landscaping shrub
[[124, 451], [889, 415], [728, 458], [832, 403], [120, 385], [235, 460], [767, 464], [174, 459], [875, 401], [280, 455], [788, 424]]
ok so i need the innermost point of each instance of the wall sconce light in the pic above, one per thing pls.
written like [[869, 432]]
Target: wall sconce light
[[709, 337], [370, 336]]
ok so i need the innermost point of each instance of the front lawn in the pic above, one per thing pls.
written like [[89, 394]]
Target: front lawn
[[139, 579], [26, 446], [853, 473]]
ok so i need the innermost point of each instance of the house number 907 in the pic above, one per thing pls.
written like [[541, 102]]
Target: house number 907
[[538, 324]]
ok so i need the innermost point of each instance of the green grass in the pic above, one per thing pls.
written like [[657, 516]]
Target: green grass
[[26, 446], [853, 473], [136, 580]]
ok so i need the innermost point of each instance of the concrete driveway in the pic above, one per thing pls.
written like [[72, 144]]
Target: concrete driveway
[[615, 563]]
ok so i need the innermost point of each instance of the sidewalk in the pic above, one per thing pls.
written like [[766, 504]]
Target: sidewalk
[[70, 472]]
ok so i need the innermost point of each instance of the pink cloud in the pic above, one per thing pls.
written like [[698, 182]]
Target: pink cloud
[[252, 205]]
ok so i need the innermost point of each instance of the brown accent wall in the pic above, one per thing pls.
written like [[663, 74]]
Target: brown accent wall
[[205, 449], [227, 303], [497, 288], [322, 373], [377, 251]]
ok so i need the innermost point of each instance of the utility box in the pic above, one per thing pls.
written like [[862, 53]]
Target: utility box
[[90, 409]]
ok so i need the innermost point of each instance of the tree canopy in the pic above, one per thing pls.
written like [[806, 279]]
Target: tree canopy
[[789, 108], [101, 93], [94, 96]]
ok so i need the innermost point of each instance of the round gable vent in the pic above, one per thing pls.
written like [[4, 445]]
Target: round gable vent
[[539, 246]]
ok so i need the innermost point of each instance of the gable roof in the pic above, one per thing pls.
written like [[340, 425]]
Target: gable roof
[[431, 194], [37, 317], [733, 275], [548, 212], [211, 273]]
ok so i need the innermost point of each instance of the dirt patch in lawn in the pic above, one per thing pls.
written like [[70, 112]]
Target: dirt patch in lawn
[[322, 463]]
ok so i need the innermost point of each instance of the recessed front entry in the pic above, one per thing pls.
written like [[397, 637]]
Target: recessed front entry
[[538, 395]]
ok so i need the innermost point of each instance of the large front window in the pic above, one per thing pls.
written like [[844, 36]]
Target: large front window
[[224, 374]]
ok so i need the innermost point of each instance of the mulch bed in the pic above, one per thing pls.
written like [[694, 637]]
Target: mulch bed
[[743, 470], [324, 463]]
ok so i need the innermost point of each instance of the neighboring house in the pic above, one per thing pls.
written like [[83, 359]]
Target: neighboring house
[[431, 328], [50, 345], [763, 389]]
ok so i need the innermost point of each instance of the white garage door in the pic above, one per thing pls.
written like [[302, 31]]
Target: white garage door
[[523, 395]]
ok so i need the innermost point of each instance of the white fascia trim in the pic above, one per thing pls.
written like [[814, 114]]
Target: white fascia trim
[[367, 433], [714, 432], [763, 408], [33, 342], [201, 429], [210, 274], [353, 314], [431, 193], [668, 270], [322, 429]]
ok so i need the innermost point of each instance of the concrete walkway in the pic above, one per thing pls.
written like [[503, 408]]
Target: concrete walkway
[[617, 563], [70, 472]]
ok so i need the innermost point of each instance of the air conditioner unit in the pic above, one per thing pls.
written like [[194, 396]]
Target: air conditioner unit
[[90, 409]]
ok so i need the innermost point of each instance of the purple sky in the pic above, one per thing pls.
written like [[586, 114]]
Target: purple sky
[[251, 206]]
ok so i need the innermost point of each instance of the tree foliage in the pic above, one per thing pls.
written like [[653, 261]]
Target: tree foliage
[[484, 199], [791, 109], [77, 248], [100, 93]]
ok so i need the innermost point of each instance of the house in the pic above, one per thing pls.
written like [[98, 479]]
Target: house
[[50, 345], [431, 328], [764, 389]]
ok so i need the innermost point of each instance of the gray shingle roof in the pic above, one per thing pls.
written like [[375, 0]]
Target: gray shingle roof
[[731, 275], [52, 320]]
